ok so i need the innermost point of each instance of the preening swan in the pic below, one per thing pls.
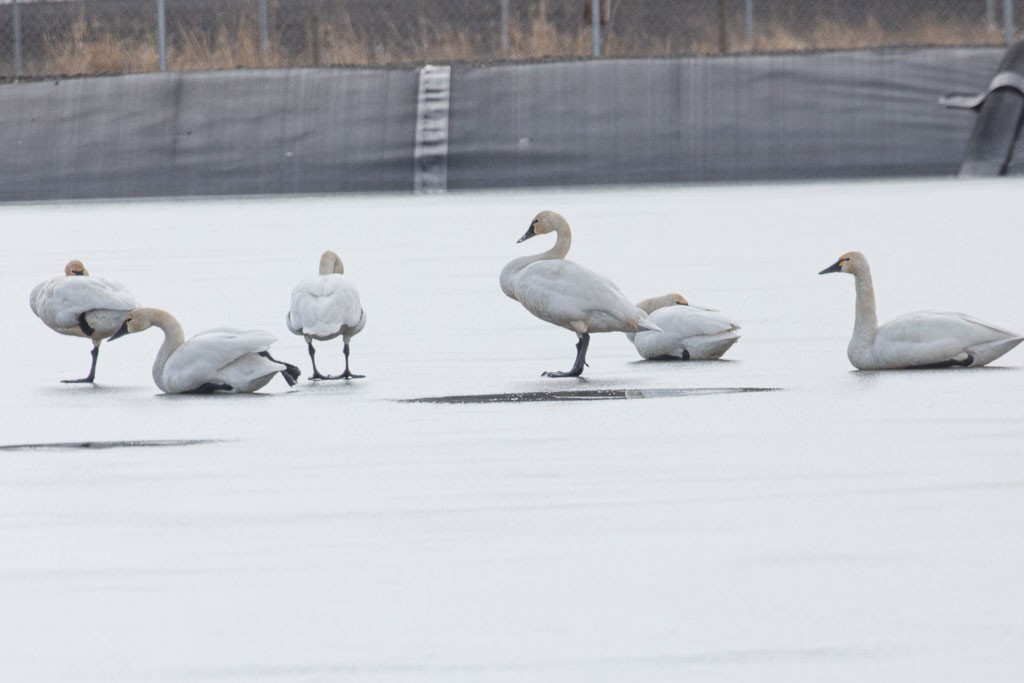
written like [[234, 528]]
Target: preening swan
[[82, 306], [688, 332], [222, 359], [566, 294], [926, 339], [324, 307]]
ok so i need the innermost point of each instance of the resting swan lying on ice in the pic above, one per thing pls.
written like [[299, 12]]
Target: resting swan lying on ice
[[688, 332], [926, 339], [223, 359]]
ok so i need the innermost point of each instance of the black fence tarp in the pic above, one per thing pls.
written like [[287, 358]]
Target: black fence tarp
[[216, 133], [825, 115]]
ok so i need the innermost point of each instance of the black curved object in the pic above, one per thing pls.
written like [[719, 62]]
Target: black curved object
[[1000, 113]]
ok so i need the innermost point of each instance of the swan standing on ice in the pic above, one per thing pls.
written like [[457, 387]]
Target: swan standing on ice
[[325, 307], [566, 294], [222, 359], [82, 306], [926, 339], [688, 332]]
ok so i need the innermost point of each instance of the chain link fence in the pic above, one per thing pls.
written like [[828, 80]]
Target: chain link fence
[[46, 38]]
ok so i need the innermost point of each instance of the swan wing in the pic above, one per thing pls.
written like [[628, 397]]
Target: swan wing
[[564, 293], [929, 337], [203, 358], [690, 321], [60, 301], [323, 305]]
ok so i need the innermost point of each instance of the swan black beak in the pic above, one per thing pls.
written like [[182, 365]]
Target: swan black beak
[[123, 330], [527, 235], [836, 267]]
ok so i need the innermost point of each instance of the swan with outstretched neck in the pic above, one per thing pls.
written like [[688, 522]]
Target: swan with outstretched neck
[[222, 359], [688, 331], [925, 339], [325, 307], [80, 305], [566, 294]]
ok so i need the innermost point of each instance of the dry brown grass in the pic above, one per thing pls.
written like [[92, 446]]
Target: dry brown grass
[[833, 35], [335, 40], [92, 50], [539, 37]]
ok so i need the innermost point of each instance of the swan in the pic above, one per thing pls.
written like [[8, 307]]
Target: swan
[[221, 359], [689, 332], [324, 307], [925, 339], [82, 306], [566, 294]]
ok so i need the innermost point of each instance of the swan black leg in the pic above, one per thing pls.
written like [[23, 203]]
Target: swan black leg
[[210, 388], [290, 373], [312, 357], [92, 369], [347, 374], [581, 359]]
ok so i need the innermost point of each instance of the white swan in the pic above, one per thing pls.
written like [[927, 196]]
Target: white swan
[[688, 332], [926, 339], [82, 306], [324, 307], [222, 359], [566, 294]]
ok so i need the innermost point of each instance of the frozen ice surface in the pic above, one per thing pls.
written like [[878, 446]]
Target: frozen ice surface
[[848, 527]]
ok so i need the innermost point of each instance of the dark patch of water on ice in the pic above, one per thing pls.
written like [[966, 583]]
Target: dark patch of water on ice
[[587, 395], [99, 445]]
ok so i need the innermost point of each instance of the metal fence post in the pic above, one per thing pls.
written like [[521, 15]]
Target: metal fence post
[[750, 23], [161, 34], [595, 26], [264, 31], [504, 26], [17, 39], [1008, 21]]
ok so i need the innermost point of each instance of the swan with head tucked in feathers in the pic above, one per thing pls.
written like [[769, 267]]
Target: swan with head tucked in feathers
[[688, 331], [325, 307], [80, 305], [925, 339], [566, 294], [222, 359]]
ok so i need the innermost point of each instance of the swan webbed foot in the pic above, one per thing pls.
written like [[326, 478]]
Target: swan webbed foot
[[575, 372], [348, 375], [581, 359], [317, 376], [88, 379]]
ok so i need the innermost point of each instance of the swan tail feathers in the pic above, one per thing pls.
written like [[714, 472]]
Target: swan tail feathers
[[646, 324], [986, 353]]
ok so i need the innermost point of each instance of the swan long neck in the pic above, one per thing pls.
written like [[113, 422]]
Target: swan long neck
[[174, 336], [562, 243], [557, 251], [330, 263], [649, 306], [866, 321]]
